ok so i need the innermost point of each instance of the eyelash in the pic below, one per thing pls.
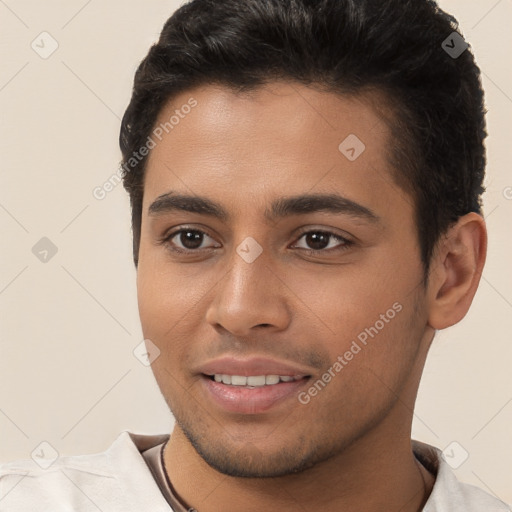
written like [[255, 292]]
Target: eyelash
[[166, 241]]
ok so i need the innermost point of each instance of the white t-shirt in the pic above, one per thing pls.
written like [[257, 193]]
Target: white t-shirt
[[120, 480]]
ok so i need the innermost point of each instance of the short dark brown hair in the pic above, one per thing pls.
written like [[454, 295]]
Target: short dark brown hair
[[345, 46]]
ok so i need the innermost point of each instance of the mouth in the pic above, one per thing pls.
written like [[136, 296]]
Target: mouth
[[253, 394], [253, 381]]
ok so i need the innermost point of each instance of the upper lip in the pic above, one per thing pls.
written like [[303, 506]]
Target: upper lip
[[252, 366]]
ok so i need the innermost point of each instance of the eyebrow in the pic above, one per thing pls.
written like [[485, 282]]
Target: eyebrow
[[280, 208]]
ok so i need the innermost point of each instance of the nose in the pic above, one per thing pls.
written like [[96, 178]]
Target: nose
[[250, 295]]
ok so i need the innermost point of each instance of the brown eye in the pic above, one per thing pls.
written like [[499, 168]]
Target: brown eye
[[185, 240], [190, 239], [319, 241]]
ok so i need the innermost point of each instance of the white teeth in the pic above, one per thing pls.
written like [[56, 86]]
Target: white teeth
[[237, 380], [257, 381], [253, 380]]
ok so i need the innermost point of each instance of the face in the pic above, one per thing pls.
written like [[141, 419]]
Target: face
[[257, 281]]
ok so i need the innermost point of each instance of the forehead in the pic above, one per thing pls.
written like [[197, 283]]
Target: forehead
[[277, 113], [282, 137]]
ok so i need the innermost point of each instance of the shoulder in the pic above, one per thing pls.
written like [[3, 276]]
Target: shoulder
[[81, 483], [24, 485], [448, 493]]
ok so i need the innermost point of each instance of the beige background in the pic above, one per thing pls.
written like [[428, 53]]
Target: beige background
[[68, 327]]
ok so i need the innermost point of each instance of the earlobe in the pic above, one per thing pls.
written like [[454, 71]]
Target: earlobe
[[457, 267]]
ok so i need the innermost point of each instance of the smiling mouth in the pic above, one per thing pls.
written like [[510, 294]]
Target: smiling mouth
[[252, 394], [254, 381]]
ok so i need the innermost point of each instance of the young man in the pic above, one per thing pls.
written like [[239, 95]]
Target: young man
[[305, 217]]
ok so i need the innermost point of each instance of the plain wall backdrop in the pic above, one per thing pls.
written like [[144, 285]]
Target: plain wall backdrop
[[69, 325]]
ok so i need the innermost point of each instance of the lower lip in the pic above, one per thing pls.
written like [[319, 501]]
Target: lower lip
[[250, 401]]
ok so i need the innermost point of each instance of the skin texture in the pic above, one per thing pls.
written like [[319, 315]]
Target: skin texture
[[244, 151]]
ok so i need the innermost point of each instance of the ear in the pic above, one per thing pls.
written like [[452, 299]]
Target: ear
[[457, 265]]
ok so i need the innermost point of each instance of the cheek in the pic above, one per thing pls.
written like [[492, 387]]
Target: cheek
[[166, 292], [170, 308], [343, 300], [158, 303], [372, 321], [371, 362]]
